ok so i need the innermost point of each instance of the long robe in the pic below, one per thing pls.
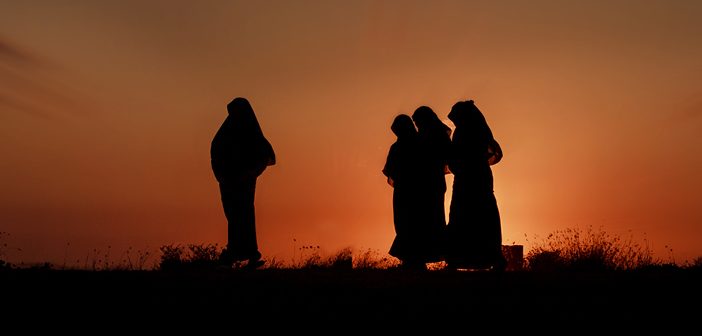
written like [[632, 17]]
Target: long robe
[[239, 154], [474, 228], [433, 149], [414, 242]]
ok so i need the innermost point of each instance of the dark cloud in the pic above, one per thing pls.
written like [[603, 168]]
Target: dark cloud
[[29, 85], [13, 53]]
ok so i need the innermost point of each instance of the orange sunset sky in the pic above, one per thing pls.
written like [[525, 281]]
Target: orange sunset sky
[[107, 110]]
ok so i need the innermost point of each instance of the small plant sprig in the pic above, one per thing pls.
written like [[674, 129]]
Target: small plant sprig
[[4, 248], [138, 263], [179, 257]]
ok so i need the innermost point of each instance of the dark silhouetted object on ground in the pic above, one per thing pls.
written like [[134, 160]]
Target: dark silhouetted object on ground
[[239, 154], [401, 169], [474, 230], [434, 141], [514, 257]]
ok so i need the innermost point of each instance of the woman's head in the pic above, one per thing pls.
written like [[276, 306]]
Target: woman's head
[[403, 126], [465, 113], [242, 117], [238, 106], [424, 116]]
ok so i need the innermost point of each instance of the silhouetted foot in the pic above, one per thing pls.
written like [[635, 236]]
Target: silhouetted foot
[[254, 264], [500, 266], [237, 260], [225, 259]]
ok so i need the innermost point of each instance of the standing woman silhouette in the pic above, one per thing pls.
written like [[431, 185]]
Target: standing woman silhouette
[[402, 173], [239, 154], [474, 228], [434, 141]]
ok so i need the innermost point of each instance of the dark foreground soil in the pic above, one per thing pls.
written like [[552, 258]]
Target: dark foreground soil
[[346, 300]]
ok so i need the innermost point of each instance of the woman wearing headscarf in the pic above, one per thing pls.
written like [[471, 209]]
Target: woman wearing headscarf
[[434, 138], [239, 154], [474, 228], [402, 174]]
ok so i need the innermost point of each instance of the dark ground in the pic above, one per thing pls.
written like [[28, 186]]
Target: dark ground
[[353, 299]]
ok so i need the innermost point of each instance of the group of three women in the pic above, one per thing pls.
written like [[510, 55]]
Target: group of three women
[[416, 167]]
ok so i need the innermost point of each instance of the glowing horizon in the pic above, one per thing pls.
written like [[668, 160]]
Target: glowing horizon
[[107, 112]]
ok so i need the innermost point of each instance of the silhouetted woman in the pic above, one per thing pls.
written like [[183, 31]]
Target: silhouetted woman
[[434, 139], [401, 169], [474, 229], [239, 154]]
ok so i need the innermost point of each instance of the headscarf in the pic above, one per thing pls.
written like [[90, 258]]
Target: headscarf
[[472, 127], [401, 160], [239, 149]]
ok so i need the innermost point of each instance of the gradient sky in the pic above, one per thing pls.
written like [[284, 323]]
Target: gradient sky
[[107, 110]]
